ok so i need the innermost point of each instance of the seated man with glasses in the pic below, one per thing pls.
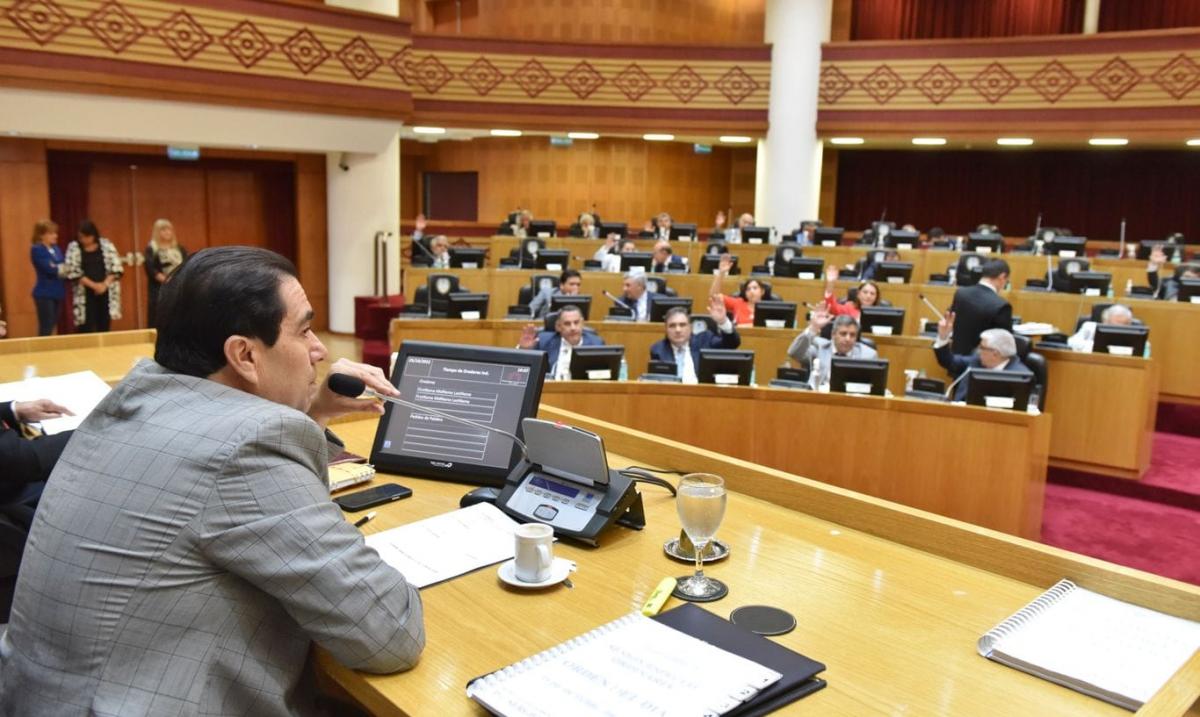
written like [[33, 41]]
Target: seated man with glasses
[[997, 351]]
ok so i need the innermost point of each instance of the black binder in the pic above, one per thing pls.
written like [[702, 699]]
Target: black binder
[[799, 672]]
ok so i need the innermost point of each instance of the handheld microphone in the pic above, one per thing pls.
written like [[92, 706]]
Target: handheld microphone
[[617, 301], [354, 387], [950, 389], [1037, 229], [932, 308]]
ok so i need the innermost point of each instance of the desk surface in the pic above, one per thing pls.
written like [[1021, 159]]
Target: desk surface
[[110, 355], [891, 599]]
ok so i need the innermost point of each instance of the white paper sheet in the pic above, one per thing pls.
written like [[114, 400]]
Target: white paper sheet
[[79, 391]]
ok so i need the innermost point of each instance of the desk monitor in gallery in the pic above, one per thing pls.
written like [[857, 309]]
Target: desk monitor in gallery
[[1065, 246], [775, 314], [581, 301], [882, 320], [596, 363], [863, 376], [984, 243], [900, 239], [827, 236], [552, 259], [801, 267], [999, 389], [467, 306], [543, 228], [756, 235], [1120, 340], [726, 367], [1089, 283], [660, 305], [632, 260], [487, 386], [618, 229], [1189, 291], [683, 232], [711, 261], [468, 258], [893, 272]]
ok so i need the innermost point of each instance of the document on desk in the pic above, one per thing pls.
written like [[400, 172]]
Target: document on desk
[[448, 545], [79, 391]]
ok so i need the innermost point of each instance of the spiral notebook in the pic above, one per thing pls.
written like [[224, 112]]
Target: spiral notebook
[[630, 666], [1112, 650]]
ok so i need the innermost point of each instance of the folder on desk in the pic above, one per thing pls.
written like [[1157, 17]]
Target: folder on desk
[[799, 672]]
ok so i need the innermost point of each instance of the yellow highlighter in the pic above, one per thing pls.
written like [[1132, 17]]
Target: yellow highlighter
[[659, 597]]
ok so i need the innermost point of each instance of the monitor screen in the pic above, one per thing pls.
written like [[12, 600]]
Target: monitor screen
[[801, 267], [596, 363], [552, 259], [900, 239], [999, 389], [828, 236], [659, 306], [756, 235], [882, 320], [864, 376], [666, 368], [709, 263], [467, 258], [609, 228], [1089, 283], [775, 314], [683, 232], [542, 228], [985, 243], [1120, 340], [583, 301], [636, 259], [467, 306], [1065, 246], [1189, 291], [893, 272], [725, 367], [490, 386]]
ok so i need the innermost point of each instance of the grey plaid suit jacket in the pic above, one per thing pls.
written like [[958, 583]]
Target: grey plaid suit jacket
[[184, 554]]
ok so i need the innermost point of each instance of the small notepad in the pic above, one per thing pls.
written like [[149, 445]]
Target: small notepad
[[632, 666], [1118, 652]]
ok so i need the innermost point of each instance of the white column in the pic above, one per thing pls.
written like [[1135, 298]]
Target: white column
[[788, 174], [363, 196], [1091, 17]]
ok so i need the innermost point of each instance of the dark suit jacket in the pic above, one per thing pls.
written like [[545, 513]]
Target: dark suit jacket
[[1168, 290], [662, 351], [673, 263], [24, 461], [957, 363], [551, 343], [651, 297], [976, 309]]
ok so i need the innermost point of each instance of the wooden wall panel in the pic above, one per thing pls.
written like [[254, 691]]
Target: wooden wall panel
[[827, 204], [625, 179], [235, 211], [312, 245], [110, 200], [24, 199], [624, 21]]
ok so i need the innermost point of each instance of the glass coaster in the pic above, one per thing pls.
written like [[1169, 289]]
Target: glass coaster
[[763, 619], [672, 548], [718, 590]]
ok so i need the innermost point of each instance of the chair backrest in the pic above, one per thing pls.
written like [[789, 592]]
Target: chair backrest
[[438, 287], [1023, 345], [551, 320], [1069, 266], [575, 230], [969, 269], [537, 282], [525, 296], [867, 341], [1037, 364], [656, 284]]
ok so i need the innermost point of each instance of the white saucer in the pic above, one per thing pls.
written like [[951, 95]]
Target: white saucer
[[559, 570]]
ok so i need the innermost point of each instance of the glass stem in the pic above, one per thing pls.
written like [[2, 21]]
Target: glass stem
[[699, 560]]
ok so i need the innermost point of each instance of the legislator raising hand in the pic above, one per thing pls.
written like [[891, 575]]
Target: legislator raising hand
[[716, 309], [529, 334], [946, 326]]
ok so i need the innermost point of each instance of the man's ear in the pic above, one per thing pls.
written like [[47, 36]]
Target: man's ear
[[242, 356]]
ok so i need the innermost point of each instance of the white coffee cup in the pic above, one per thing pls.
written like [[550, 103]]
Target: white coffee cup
[[535, 552]]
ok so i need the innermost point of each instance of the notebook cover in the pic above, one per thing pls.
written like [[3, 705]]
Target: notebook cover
[[799, 672]]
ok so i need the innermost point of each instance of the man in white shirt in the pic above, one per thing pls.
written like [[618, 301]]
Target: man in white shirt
[[1115, 315], [682, 347], [609, 255], [997, 352], [636, 296], [568, 333]]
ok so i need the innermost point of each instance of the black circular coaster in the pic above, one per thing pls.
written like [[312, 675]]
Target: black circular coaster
[[763, 619], [722, 591]]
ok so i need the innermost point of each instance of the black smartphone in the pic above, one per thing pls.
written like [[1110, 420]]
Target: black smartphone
[[372, 497]]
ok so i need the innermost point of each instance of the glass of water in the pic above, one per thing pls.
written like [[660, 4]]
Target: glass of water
[[701, 506]]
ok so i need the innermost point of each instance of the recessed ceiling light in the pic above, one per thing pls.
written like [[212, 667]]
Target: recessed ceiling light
[[847, 140], [734, 139], [1014, 141], [583, 135], [652, 137], [506, 133], [429, 130], [1108, 141], [1193, 142], [929, 141]]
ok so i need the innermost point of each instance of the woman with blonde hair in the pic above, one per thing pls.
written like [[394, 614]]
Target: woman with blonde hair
[[164, 255], [93, 262], [49, 291]]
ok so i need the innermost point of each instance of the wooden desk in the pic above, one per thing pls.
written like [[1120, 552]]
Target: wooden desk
[[110, 355], [890, 598]]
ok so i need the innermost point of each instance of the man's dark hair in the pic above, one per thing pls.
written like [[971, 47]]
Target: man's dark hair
[[569, 274], [88, 228], [218, 293], [994, 268]]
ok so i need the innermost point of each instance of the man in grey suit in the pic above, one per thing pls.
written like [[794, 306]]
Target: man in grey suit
[[186, 554], [809, 346]]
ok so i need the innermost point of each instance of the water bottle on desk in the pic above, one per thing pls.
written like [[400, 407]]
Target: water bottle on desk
[[624, 376]]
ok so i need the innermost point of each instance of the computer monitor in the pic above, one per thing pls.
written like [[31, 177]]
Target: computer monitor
[[882, 320], [659, 306], [467, 306], [726, 367], [756, 235], [999, 389], [709, 263], [893, 272], [492, 386], [583, 301], [543, 228], [683, 232], [619, 228], [1089, 283], [828, 236], [1189, 291], [666, 368], [985, 243], [1065, 246], [596, 363], [801, 267], [1120, 340], [775, 314], [864, 376], [552, 259], [900, 239], [467, 258], [636, 259]]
